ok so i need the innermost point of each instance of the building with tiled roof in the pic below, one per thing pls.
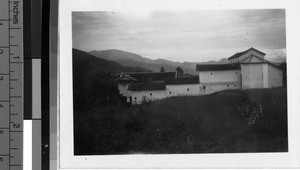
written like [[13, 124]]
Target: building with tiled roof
[[246, 70]]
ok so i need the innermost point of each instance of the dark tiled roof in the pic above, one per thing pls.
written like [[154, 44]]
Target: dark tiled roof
[[241, 53], [215, 67], [139, 86], [185, 75], [125, 79], [146, 76], [183, 80]]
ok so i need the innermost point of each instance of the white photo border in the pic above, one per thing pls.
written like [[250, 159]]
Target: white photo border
[[66, 157]]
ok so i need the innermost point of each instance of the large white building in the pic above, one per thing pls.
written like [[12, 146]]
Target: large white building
[[246, 70]]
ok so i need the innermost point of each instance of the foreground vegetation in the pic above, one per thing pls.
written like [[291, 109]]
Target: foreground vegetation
[[225, 122]]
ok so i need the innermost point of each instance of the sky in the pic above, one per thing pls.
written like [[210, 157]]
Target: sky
[[193, 36]]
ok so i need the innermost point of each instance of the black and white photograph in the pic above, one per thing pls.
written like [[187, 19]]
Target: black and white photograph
[[179, 82]]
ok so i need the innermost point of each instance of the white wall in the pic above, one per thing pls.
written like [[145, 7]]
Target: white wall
[[209, 88], [222, 76], [252, 76], [137, 96], [182, 90], [275, 76], [265, 75], [260, 76]]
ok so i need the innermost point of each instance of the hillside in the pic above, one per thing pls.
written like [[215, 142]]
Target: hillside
[[225, 122], [131, 59], [87, 84]]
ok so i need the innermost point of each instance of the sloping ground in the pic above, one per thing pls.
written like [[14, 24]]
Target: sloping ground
[[93, 78], [225, 122]]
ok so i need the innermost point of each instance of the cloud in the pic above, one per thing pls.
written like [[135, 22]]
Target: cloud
[[181, 35], [276, 55]]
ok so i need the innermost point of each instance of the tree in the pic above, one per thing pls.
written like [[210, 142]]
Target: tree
[[179, 72], [162, 70]]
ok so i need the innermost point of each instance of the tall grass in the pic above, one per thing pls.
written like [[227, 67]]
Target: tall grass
[[225, 122]]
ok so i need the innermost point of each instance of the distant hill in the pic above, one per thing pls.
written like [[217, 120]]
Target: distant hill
[[131, 59], [91, 64]]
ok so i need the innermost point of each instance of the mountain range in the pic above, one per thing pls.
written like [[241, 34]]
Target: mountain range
[[88, 63], [134, 60]]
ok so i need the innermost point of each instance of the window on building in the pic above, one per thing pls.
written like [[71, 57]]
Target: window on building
[[170, 92], [227, 85], [234, 85], [188, 89], [235, 72], [210, 73], [135, 98], [150, 94], [203, 87]]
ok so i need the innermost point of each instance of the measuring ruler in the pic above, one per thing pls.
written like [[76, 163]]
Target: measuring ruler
[[11, 84]]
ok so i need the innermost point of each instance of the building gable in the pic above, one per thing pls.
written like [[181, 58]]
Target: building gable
[[239, 54], [253, 59], [238, 57]]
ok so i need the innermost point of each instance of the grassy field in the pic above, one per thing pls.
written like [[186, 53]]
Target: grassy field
[[225, 122]]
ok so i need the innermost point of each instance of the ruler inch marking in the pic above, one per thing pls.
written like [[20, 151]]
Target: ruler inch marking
[[9, 136], [11, 48]]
